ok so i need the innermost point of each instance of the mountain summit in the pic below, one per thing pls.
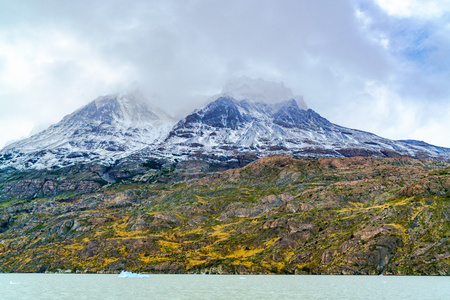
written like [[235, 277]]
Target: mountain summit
[[250, 118], [107, 128], [230, 124], [228, 127]]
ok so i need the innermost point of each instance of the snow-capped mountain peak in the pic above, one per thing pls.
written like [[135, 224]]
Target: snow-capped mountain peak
[[130, 108], [228, 127], [107, 128]]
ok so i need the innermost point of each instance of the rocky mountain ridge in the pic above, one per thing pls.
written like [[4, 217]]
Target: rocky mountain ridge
[[228, 126], [242, 121]]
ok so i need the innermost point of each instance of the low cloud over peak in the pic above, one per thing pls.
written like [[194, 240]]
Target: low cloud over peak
[[359, 63]]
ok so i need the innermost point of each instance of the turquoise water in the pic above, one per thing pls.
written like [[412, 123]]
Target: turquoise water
[[82, 286]]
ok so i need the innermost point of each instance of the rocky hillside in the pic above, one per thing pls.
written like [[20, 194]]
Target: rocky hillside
[[278, 214]]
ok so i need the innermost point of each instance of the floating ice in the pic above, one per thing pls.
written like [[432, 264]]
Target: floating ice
[[126, 274]]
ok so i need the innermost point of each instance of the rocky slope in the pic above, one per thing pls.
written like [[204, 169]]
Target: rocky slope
[[278, 214]]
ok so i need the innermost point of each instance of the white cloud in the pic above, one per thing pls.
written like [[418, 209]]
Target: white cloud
[[16, 128], [45, 75], [416, 8], [435, 131]]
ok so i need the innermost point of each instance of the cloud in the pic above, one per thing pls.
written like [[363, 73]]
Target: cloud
[[360, 63], [415, 8]]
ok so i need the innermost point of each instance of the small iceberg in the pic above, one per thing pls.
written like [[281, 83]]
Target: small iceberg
[[126, 274]]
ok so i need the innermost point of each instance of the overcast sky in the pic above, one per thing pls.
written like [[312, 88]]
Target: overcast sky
[[377, 65]]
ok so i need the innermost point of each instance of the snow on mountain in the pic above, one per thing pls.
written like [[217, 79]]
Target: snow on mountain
[[108, 128], [250, 117], [228, 127]]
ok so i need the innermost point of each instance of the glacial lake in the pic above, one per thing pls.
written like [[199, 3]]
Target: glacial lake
[[93, 286]]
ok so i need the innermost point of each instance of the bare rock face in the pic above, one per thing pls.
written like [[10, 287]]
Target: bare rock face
[[370, 249], [64, 227], [167, 220], [5, 220], [432, 185], [39, 188], [26, 188], [327, 257], [267, 204], [377, 255], [137, 223]]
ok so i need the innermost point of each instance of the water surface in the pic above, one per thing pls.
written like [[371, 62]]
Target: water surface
[[93, 286]]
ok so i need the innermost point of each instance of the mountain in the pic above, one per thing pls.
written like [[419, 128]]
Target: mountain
[[144, 194], [228, 126], [108, 128], [248, 120]]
